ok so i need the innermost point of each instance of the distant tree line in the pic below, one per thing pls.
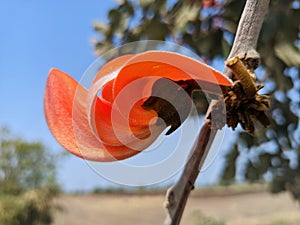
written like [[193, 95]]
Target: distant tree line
[[27, 181]]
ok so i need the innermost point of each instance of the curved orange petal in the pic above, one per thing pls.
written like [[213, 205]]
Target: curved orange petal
[[74, 134], [168, 65], [112, 121], [113, 65], [120, 132], [116, 123], [146, 70], [107, 91], [136, 124]]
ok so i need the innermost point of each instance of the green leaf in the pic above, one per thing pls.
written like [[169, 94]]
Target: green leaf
[[185, 14], [288, 53]]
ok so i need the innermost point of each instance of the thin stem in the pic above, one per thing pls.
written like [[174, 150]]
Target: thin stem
[[249, 27], [178, 194]]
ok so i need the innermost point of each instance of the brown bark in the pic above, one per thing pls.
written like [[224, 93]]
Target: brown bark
[[244, 47]]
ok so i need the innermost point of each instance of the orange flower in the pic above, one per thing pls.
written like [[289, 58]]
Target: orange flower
[[109, 122], [207, 3]]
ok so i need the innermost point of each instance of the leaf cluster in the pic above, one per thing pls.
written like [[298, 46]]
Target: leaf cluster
[[27, 181]]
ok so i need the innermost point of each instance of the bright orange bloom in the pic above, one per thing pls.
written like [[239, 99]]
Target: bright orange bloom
[[207, 3], [108, 122]]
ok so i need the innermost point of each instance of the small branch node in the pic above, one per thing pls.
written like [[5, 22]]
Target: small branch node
[[170, 200], [243, 75]]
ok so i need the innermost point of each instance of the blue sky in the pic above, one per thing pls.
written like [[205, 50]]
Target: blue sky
[[36, 36]]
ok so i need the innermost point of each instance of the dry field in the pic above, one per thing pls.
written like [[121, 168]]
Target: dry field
[[239, 208]]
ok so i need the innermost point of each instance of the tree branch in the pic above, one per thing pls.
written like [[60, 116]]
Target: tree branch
[[244, 47], [178, 194]]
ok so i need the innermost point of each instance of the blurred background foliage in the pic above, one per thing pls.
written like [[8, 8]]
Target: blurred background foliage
[[207, 27], [27, 181]]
